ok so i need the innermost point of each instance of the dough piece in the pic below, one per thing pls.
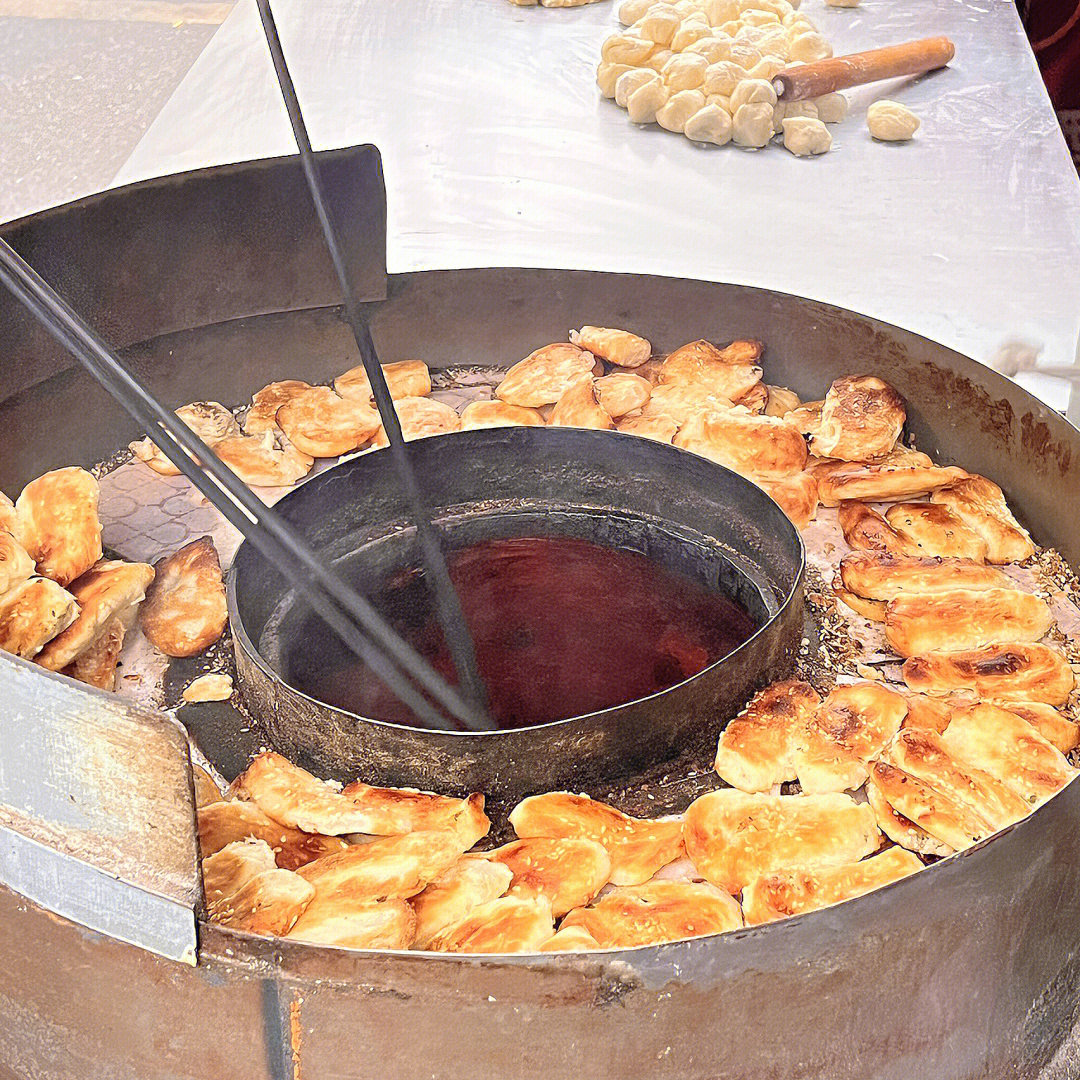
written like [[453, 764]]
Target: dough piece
[[406, 378], [226, 821], [783, 893], [873, 610], [544, 375], [808, 47], [711, 124], [352, 923], [620, 394], [8, 517], [1017, 671], [796, 495], [1056, 729], [862, 419], [866, 530], [655, 912], [637, 848], [294, 797], [210, 420], [32, 613], [185, 610], [884, 482], [455, 894], [658, 59], [57, 523], [755, 399], [879, 576], [489, 414], [626, 49], [680, 401], [769, 66], [926, 756], [807, 417], [566, 872], [96, 664], [321, 423], [262, 413], [890, 121], [261, 462], [899, 829], [658, 428], [570, 939], [629, 81], [759, 748], [752, 125], [420, 418], [270, 903], [751, 91], [206, 789], [715, 49], [746, 56], [690, 31], [608, 76], [398, 866], [945, 819], [1007, 747], [733, 837], [105, 589], [722, 77], [644, 103], [632, 10], [831, 108], [578, 407], [964, 619], [980, 504], [936, 530], [684, 71], [679, 108], [659, 24], [16, 566], [781, 401], [805, 137], [214, 686], [616, 346], [852, 726], [227, 871], [758, 446], [511, 924]]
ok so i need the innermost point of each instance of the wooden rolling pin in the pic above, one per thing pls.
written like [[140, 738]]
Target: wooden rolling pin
[[840, 72]]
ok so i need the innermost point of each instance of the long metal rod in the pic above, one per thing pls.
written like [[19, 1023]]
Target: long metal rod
[[447, 603], [355, 621]]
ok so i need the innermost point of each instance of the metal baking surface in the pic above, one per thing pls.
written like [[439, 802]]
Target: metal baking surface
[[500, 150]]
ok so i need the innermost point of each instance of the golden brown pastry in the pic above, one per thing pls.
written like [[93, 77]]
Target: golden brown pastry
[[727, 373], [210, 420], [936, 530], [264, 460], [616, 346], [32, 613], [781, 401], [806, 417], [882, 482], [759, 748], [796, 495], [570, 939], [57, 523], [488, 414], [680, 401], [206, 789], [980, 504], [733, 837], [96, 664], [850, 728], [1007, 747], [227, 871], [577, 407], [8, 516], [622, 393], [510, 924], [567, 872], [322, 424], [655, 912], [866, 530], [919, 798], [269, 903], [881, 576], [392, 811], [185, 610], [927, 712], [755, 399], [636, 847], [874, 610], [658, 428], [782, 893], [420, 418], [16, 566], [352, 923], [764, 447], [543, 376], [1018, 671], [964, 619], [262, 413], [223, 822], [454, 894], [861, 420], [926, 756], [406, 378], [1056, 729]]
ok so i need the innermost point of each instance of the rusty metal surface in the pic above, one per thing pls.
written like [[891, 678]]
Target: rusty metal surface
[[79, 833]]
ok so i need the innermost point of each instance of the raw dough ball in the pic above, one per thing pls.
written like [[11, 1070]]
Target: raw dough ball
[[643, 103], [722, 78], [714, 49], [772, 46], [751, 35], [720, 100], [890, 121], [607, 75], [804, 136], [679, 108], [659, 25], [626, 49], [632, 10], [750, 91], [710, 125], [746, 56], [808, 47], [659, 59], [757, 17], [684, 71], [831, 108], [796, 19], [752, 124], [689, 32], [632, 80], [783, 110], [719, 12]]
